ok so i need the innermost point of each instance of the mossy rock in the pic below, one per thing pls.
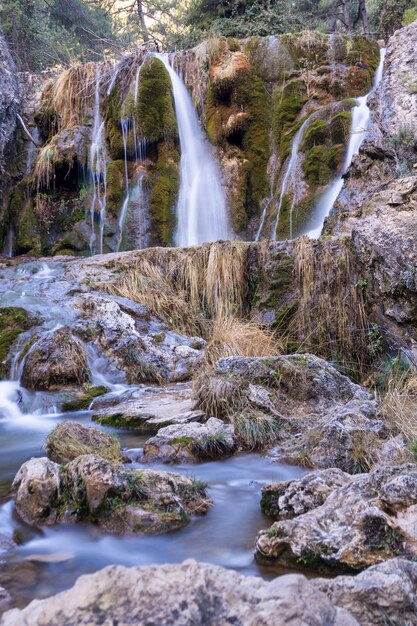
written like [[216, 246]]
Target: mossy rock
[[116, 186], [315, 134], [84, 398], [112, 119], [13, 322], [70, 440], [359, 81], [321, 163], [307, 47], [286, 106], [362, 50], [154, 113], [28, 239], [340, 126], [163, 194]]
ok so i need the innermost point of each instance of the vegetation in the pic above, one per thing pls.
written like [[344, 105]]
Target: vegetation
[[70, 440], [13, 322]]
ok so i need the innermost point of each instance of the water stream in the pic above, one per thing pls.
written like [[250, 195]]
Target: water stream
[[98, 173], [201, 207], [50, 559], [361, 115]]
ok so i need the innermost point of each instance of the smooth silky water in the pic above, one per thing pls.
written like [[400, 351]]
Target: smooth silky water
[[48, 560]]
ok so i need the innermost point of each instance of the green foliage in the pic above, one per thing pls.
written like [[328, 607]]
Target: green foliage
[[410, 16]]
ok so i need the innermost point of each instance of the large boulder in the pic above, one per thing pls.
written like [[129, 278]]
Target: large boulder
[[325, 419], [191, 442], [70, 440], [349, 524], [57, 359], [190, 594], [138, 344], [90, 488]]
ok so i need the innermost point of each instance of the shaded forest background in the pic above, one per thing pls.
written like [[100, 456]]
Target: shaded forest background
[[46, 33]]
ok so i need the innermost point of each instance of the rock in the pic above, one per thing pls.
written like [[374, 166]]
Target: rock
[[70, 440], [37, 489], [394, 452], [57, 359], [191, 442], [141, 346], [81, 400], [190, 594], [326, 420], [382, 594], [288, 499], [93, 489], [146, 409], [366, 520]]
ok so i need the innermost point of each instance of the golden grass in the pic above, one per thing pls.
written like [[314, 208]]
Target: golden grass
[[70, 440], [399, 405], [72, 94], [331, 320], [44, 170], [236, 337]]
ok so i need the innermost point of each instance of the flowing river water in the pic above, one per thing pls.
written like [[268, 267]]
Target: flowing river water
[[45, 561]]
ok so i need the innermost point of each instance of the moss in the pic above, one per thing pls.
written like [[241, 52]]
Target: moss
[[315, 134], [83, 400], [155, 112], [307, 46], [13, 322], [28, 238], [321, 163], [182, 441], [164, 193], [360, 49], [287, 104], [340, 126], [112, 123], [116, 186], [359, 81]]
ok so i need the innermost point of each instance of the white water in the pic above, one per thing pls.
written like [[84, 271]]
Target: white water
[[98, 173], [124, 123], [201, 207], [360, 121], [289, 173]]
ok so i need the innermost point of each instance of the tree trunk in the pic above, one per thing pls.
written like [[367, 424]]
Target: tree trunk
[[363, 14], [143, 28]]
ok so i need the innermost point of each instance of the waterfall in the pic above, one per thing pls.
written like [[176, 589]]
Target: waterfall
[[201, 207], [98, 173], [122, 216], [289, 173], [360, 121]]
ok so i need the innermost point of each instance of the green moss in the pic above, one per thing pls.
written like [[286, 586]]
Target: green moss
[[13, 322], [307, 47], [315, 134], [112, 123], [28, 232], [360, 49], [181, 441], [163, 194], [287, 104], [321, 163], [340, 126], [83, 399], [155, 112], [116, 186]]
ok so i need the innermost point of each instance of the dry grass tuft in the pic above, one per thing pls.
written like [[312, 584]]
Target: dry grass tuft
[[70, 440], [399, 404], [256, 431], [72, 94], [235, 337]]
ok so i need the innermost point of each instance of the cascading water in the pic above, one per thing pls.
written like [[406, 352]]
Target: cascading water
[[289, 173], [360, 121], [201, 206], [98, 173], [124, 123]]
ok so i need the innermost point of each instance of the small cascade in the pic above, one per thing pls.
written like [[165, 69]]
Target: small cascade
[[98, 174], [10, 398], [201, 206], [124, 123], [9, 245], [289, 174], [360, 121]]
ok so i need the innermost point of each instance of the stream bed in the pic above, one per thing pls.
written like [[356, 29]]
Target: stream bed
[[48, 560]]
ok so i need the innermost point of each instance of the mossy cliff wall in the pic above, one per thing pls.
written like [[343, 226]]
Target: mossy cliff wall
[[252, 96]]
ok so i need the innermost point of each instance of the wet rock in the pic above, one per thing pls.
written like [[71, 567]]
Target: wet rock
[[367, 520], [57, 359], [288, 499], [93, 489], [81, 400], [326, 419], [189, 594], [191, 442], [37, 490], [146, 409], [70, 440], [382, 594], [143, 347]]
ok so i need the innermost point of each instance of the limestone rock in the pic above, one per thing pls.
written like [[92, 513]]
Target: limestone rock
[[9, 106], [57, 359], [191, 442], [93, 489], [70, 440], [368, 519], [140, 345], [326, 419], [190, 594]]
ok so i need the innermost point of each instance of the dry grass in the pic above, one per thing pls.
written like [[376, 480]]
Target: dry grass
[[44, 170], [72, 94], [235, 337], [70, 440], [256, 431], [331, 319], [399, 404], [188, 288]]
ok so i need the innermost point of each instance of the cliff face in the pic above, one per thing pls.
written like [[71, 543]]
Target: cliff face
[[9, 106], [252, 97]]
